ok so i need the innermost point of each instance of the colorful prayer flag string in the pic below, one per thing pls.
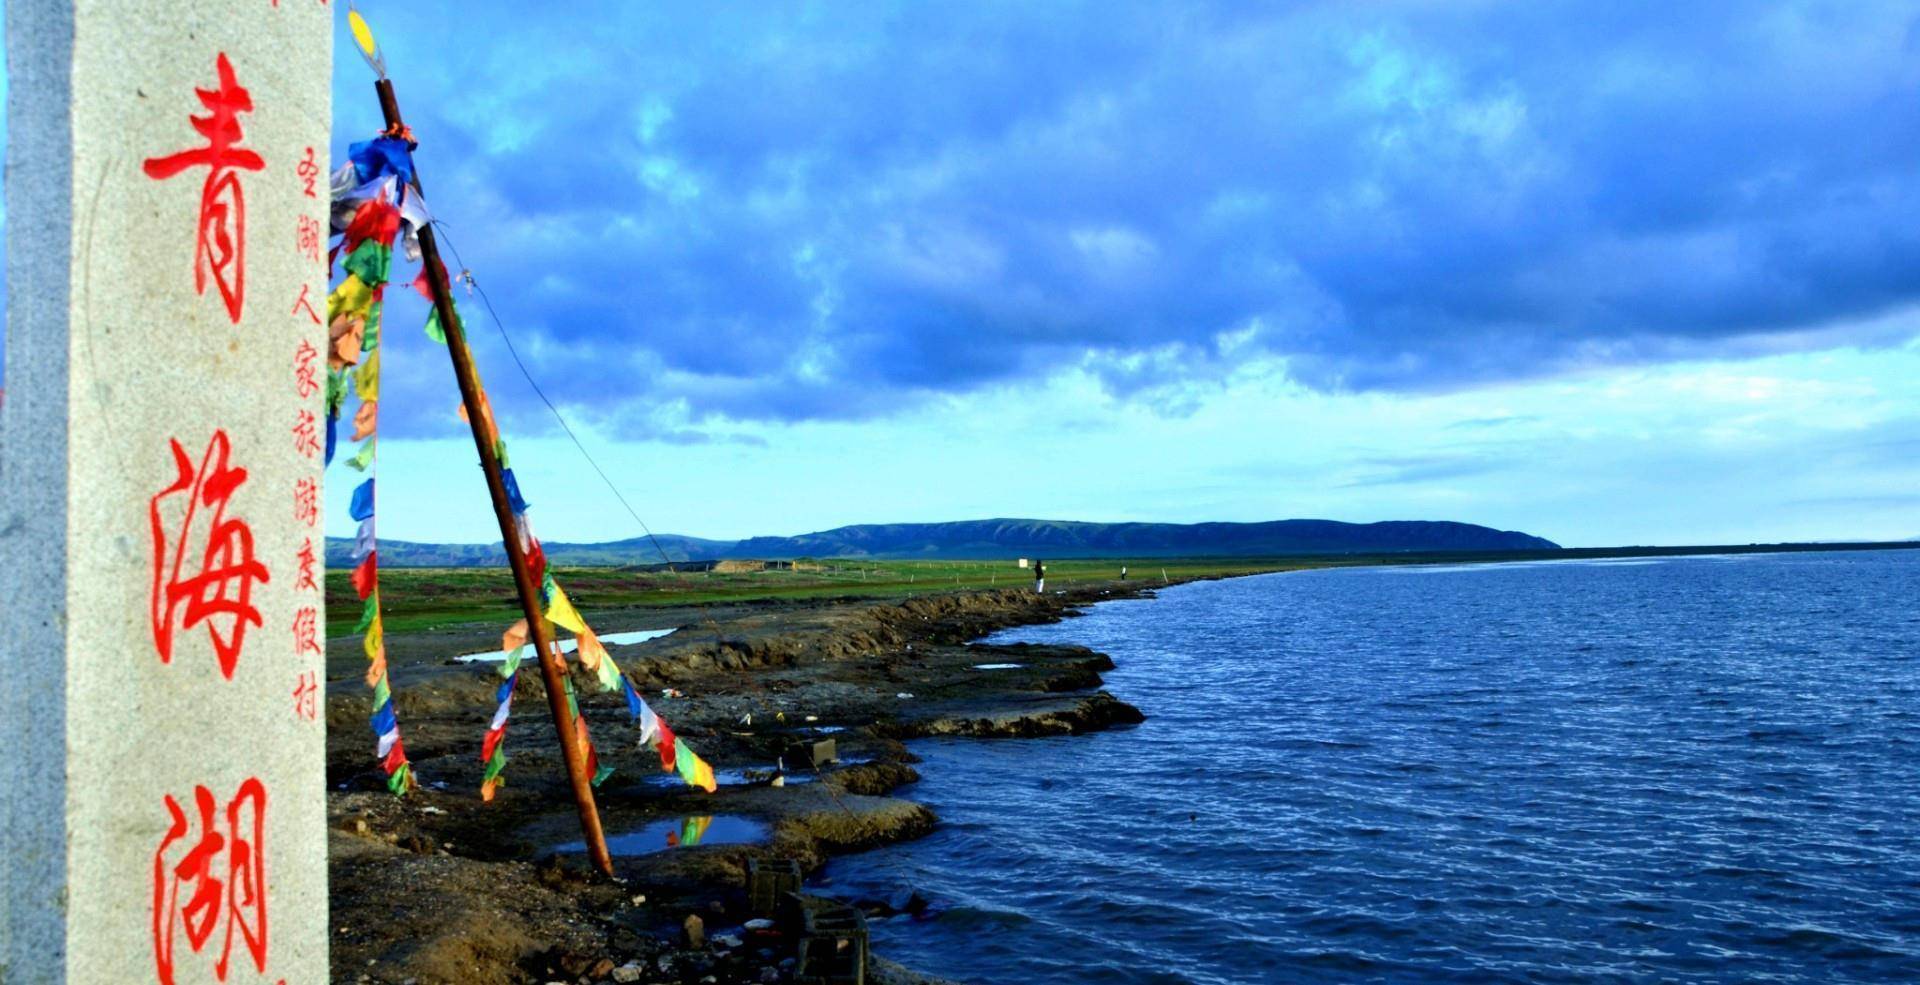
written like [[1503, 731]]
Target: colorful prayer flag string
[[369, 209], [558, 610], [372, 204]]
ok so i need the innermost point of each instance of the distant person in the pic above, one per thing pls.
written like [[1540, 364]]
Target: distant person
[[1040, 577], [1123, 572]]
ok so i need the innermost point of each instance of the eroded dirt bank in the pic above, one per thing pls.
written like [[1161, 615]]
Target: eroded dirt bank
[[440, 887]]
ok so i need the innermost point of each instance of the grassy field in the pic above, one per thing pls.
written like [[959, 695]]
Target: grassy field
[[421, 598], [424, 598]]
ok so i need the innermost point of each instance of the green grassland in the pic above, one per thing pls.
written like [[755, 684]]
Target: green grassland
[[427, 598], [423, 598]]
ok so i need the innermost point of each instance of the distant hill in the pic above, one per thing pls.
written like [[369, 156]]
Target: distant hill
[[612, 553], [1064, 538], [1000, 538]]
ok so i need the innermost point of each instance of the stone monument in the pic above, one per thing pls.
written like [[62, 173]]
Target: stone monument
[[161, 706]]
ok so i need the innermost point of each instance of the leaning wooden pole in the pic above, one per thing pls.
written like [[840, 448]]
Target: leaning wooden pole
[[551, 669]]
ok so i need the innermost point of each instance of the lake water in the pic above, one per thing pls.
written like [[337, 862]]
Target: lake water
[[1700, 769]]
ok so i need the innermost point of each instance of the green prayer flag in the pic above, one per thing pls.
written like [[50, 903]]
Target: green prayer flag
[[364, 457], [601, 775], [397, 782], [336, 390], [609, 675], [367, 612], [381, 692], [371, 340], [434, 331], [371, 260], [495, 765]]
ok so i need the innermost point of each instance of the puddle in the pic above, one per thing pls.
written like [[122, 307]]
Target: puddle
[[568, 646], [998, 666], [739, 777], [681, 832]]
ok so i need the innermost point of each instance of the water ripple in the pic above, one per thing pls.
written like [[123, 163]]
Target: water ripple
[[1691, 770]]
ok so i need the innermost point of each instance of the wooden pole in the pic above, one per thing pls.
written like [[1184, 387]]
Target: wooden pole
[[551, 669]]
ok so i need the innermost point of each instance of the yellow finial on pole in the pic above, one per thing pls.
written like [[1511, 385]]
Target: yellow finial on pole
[[363, 37]]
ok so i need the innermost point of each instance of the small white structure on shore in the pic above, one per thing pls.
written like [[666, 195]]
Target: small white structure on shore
[[1023, 562]]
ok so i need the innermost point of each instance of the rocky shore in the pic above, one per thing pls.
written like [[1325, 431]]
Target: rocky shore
[[441, 887]]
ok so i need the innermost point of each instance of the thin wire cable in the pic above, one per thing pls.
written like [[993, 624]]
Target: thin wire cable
[[466, 274]]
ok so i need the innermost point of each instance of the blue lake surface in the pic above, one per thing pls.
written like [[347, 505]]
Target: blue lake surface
[[1698, 769]]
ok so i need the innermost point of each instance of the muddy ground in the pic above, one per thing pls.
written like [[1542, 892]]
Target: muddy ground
[[441, 887]]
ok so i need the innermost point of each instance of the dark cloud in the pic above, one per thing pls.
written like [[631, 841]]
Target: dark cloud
[[782, 212]]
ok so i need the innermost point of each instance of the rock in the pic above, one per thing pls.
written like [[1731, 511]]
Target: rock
[[728, 941], [759, 923], [632, 971], [639, 899], [907, 901], [769, 974], [601, 968], [695, 931]]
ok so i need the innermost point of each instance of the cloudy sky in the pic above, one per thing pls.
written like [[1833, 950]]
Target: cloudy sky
[[1607, 272]]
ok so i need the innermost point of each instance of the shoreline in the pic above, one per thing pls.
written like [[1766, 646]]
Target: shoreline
[[439, 886]]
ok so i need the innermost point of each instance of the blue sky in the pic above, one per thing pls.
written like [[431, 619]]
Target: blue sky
[[1607, 272]]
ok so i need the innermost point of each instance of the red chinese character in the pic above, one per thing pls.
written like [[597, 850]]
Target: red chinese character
[[220, 248], [307, 238], [305, 632], [306, 440], [306, 501], [305, 697], [302, 302], [220, 589], [306, 381], [306, 577], [308, 169], [224, 875]]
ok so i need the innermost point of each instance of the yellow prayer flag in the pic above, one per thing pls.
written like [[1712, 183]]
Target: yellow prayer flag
[[562, 613], [366, 380], [375, 642], [353, 297]]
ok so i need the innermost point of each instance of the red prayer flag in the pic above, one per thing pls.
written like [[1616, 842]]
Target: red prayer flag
[[376, 219], [396, 758], [666, 746], [366, 576]]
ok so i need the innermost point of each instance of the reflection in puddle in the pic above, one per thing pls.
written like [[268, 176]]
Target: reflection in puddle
[[681, 832], [568, 646], [744, 777]]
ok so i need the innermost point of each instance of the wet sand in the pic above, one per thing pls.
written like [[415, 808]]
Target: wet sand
[[441, 887]]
